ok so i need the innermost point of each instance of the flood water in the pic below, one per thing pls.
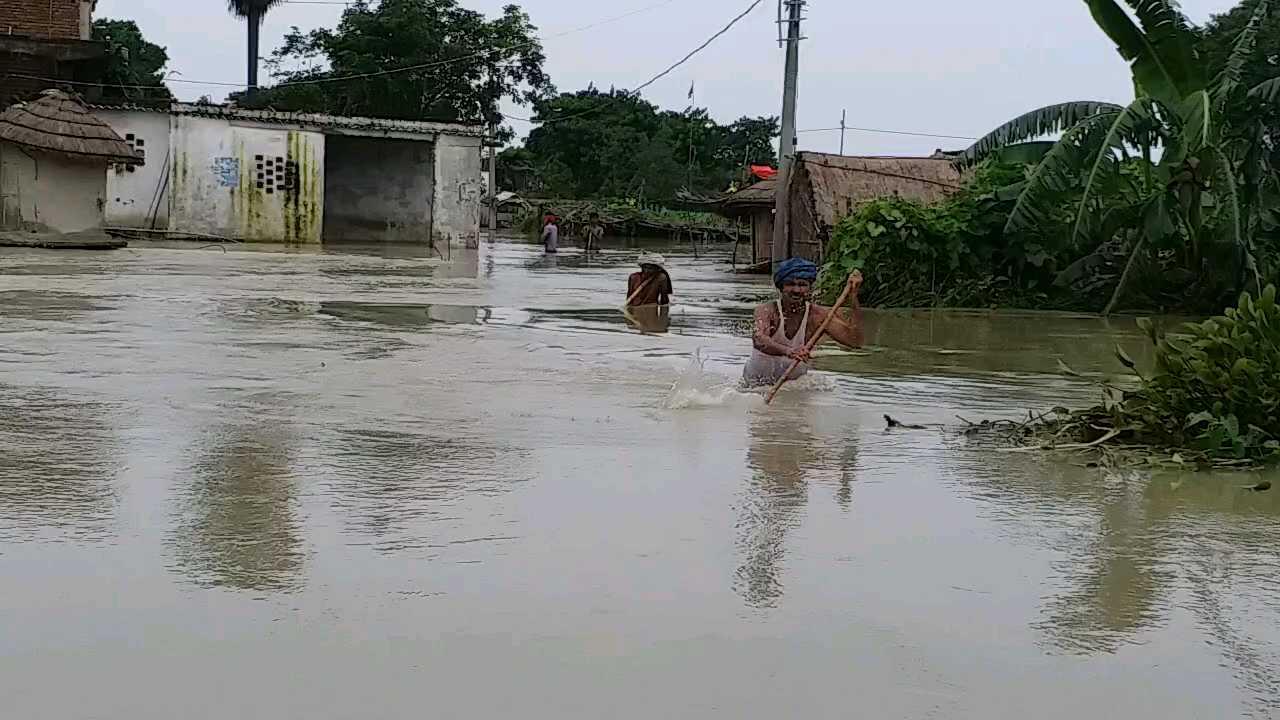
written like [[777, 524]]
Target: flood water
[[368, 483]]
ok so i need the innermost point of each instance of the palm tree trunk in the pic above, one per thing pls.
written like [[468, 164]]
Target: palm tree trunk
[[1124, 277], [255, 25]]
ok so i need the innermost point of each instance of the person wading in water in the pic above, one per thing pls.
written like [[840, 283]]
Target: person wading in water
[[652, 285], [783, 327], [550, 234]]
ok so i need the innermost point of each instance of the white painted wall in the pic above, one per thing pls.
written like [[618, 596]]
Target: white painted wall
[[138, 197], [227, 180], [458, 192], [50, 191]]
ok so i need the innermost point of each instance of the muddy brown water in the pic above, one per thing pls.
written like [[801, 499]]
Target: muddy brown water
[[368, 483]]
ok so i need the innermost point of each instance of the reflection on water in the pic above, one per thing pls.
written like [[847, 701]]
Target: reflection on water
[[238, 524], [404, 314], [393, 487], [781, 451], [419, 475], [58, 457], [1117, 582], [653, 319]]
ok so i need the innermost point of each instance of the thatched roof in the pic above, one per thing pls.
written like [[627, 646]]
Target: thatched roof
[[837, 180], [58, 123], [759, 195]]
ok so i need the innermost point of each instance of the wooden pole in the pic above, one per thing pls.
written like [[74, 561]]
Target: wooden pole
[[636, 294], [809, 346]]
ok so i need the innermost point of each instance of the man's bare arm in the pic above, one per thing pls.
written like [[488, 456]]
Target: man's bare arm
[[766, 324], [846, 327]]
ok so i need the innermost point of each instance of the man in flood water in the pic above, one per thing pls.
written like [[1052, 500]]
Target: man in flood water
[[652, 285], [550, 234], [783, 327], [593, 233]]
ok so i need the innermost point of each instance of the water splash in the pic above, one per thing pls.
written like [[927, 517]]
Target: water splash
[[696, 387]]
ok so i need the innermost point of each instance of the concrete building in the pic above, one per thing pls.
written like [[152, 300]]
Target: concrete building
[[257, 175], [54, 155], [43, 40]]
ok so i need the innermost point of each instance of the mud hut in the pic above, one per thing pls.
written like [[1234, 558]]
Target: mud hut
[[825, 188], [54, 155]]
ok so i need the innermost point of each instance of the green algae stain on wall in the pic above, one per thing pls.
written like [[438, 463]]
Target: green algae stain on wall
[[303, 200]]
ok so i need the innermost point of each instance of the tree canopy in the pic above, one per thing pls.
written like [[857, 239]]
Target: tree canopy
[[416, 60], [131, 61], [593, 143]]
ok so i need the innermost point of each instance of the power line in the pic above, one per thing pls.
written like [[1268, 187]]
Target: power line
[[891, 132], [655, 78], [361, 76]]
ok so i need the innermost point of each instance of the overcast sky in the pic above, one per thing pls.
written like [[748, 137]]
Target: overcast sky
[[932, 66]]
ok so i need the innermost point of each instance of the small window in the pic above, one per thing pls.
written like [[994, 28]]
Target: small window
[[130, 137], [141, 143], [258, 158], [270, 190], [261, 185]]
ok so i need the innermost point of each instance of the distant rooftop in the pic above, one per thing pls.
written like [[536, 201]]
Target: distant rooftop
[[331, 124]]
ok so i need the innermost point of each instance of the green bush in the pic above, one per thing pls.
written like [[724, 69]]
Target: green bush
[[1214, 390], [953, 253]]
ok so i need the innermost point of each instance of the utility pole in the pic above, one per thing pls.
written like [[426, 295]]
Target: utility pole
[[787, 143], [493, 158], [843, 113]]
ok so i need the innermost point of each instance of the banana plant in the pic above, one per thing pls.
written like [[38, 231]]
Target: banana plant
[[1184, 164]]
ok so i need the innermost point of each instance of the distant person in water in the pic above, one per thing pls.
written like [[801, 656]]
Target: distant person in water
[[551, 234], [783, 327], [652, 285], [593, 233]]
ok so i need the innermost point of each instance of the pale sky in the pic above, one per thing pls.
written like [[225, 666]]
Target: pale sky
[[932, 66]]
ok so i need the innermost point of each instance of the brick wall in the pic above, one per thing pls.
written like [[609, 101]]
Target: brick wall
[[59, 19]]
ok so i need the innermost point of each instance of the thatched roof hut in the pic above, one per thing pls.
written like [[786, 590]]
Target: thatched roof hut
[[58, 123], [825, 188], [837, 184]]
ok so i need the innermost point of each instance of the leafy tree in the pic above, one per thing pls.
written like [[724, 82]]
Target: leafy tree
[[131, 61], [597, 144], [1217, 44], [1182, 171], [417, 59], [253, 12]]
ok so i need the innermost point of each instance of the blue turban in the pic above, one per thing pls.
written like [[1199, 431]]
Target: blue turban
[[794, 269]]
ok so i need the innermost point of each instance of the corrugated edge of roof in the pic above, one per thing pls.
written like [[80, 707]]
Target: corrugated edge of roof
[[320, 120], [314, 119], [125, 107]]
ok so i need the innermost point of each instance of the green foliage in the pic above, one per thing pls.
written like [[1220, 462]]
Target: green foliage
[[1183, 179], [248, 8], [1213, 391], [629, 217], [954, 253], [464, 64], [594, 144], [131, 61]]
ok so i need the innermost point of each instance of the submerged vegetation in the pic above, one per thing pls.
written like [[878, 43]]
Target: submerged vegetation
[[1212, 399], [1171, 202], [631, 219]]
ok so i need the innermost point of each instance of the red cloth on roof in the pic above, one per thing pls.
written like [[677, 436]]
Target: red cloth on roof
[[764, 172]]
